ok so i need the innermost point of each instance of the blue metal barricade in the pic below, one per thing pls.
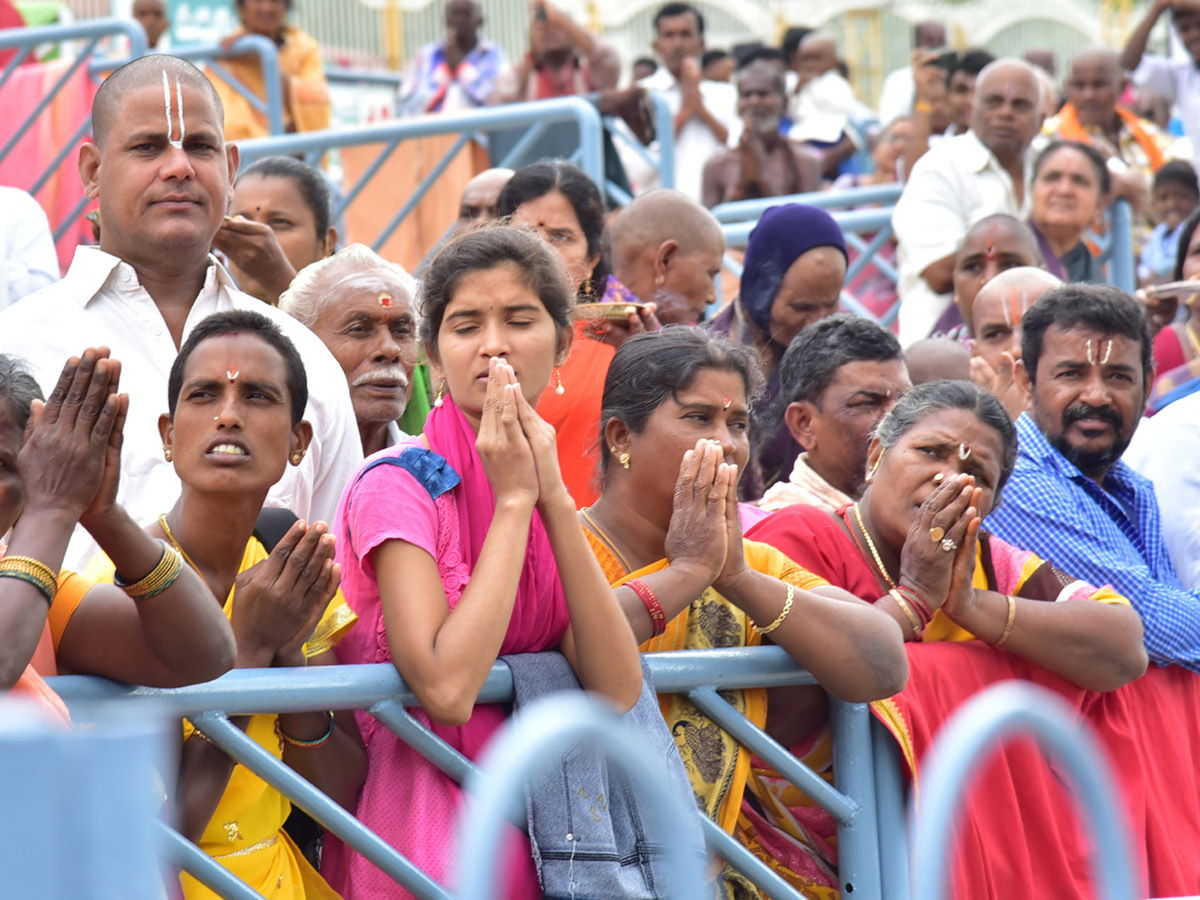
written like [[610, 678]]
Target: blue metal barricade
[[379, 690], [846, 198], [534, 117], [24, 40], [661, 157], [351, 76], [965, 744]]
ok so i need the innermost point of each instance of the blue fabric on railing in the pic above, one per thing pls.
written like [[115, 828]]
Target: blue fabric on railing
[[585, 827]]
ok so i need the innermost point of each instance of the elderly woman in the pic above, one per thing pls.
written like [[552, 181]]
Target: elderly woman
[[462, 544], [792, 276], [665, 530], [1069, 190], [59, 461], [280, 220], [362, 308], [301, 71], [912, 546]]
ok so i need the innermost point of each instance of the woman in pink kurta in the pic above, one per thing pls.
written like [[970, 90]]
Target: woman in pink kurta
[[462, 544]]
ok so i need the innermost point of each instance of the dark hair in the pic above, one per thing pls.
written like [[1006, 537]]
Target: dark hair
[[287, 4], [1178, 171], [712, 56], [650, 367], [313, 188], [18, 388], [548, 175], [1094, 156], [1101, 307], [791, 41], [918, 402], [243, 321], [778, 83], [760, 54], [646, 61], [1185, 241], [671, 10], [815, 355], [972, 62], [484, 249]]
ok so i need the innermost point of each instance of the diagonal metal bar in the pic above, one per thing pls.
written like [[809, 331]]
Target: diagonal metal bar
[[181, 853], [48, 97], [521, 147], [376, 165], [411, 203], [70, 145]]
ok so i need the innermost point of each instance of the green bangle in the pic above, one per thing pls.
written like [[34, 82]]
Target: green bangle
[[315, 742], [44, 588]]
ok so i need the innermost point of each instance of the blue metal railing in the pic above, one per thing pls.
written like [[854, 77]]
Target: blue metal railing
[[379, 690], [661, 158], [534, 117], [352, 76], [968, 740], [24, 40]]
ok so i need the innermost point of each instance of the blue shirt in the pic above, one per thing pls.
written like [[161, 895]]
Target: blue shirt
[[1104, 536]]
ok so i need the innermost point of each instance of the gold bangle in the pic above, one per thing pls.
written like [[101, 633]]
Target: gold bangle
[[32, 571], [787, 608], [909, 613], [158, 579], [1008, 626]]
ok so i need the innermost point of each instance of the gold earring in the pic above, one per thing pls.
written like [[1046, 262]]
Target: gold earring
[[558, 385], [875, 468], [296, 457], [437, 401], [623, 459], [167, 452], [659, 279]]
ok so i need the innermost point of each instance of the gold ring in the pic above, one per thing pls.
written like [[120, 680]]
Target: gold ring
[[936, 533], [939, 477]]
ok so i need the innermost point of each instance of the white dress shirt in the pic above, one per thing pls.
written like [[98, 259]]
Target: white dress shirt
[[1166, 449], [695, 144], [28, 260], [1179, 81], [100, 302], [896, 98], [953, 186]]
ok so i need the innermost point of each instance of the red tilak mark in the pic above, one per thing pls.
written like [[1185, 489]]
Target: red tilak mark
[[385, 300], [728, 402], [232, 373], [991, 251]]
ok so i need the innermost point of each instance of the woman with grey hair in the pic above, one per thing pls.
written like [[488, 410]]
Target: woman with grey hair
[[363, 308]]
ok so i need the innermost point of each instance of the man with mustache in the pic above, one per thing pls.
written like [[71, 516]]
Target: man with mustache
[[162, 173], [1086, 364], [362, 308]]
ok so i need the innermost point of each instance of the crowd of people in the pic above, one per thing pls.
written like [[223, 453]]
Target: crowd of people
[[226, 443]]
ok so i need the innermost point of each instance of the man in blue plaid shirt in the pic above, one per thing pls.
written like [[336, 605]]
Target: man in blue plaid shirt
[[1087, 367]]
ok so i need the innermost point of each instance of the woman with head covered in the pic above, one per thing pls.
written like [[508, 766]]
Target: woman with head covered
[[792, 276]]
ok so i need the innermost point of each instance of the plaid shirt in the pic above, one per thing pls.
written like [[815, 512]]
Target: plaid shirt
[[1104, 536]]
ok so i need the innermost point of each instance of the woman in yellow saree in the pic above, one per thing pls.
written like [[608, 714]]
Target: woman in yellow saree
[[301, 69], [675, 417], [236, 395]]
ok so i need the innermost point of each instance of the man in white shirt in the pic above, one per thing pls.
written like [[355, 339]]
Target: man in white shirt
[[28, 260], [704, 111], [1176, 79], [162, 173], [960, 181]]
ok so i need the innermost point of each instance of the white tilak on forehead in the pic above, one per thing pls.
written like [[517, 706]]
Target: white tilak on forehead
[[177, 143]]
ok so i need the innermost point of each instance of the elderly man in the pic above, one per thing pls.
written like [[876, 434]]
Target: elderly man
[[666, 250], [704, 111], [839, 377], [362, 308], [764, 163], [163, 182], [1086, 363], [995, 331], [959, 181]]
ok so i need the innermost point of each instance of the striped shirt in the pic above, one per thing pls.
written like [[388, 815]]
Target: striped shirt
[[1110, 535]]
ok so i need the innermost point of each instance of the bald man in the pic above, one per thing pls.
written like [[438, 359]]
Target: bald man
[[937, 359], [996, 331], [959, 181], [1094, 84], [162, 171], [666, 250], [478, 201]]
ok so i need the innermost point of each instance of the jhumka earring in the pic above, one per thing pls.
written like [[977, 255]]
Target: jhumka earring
[[437, 401], [558, 385]]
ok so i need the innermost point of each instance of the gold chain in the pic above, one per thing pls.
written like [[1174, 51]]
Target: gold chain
[[607, 540], [871, 546], [162, 523]]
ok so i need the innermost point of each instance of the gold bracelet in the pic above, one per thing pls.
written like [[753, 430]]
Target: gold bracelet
[[787, 608], [32, 571], [909, 614], [161, 577], [1012, 617]]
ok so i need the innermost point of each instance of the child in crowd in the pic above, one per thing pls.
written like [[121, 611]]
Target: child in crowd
[[1176, 195]]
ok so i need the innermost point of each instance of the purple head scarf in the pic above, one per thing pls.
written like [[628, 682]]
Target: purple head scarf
[[782, 236]]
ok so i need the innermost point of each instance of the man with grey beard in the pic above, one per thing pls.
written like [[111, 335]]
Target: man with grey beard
[[362, 308]]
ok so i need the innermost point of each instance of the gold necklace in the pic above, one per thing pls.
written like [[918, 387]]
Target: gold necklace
[[162, 523], [874, 551], [607, 540]]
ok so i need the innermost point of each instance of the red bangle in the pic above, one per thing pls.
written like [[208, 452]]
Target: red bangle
[[924, 613], [657, 617]]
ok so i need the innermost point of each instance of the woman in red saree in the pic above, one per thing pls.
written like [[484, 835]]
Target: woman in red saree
[[912, 546]]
